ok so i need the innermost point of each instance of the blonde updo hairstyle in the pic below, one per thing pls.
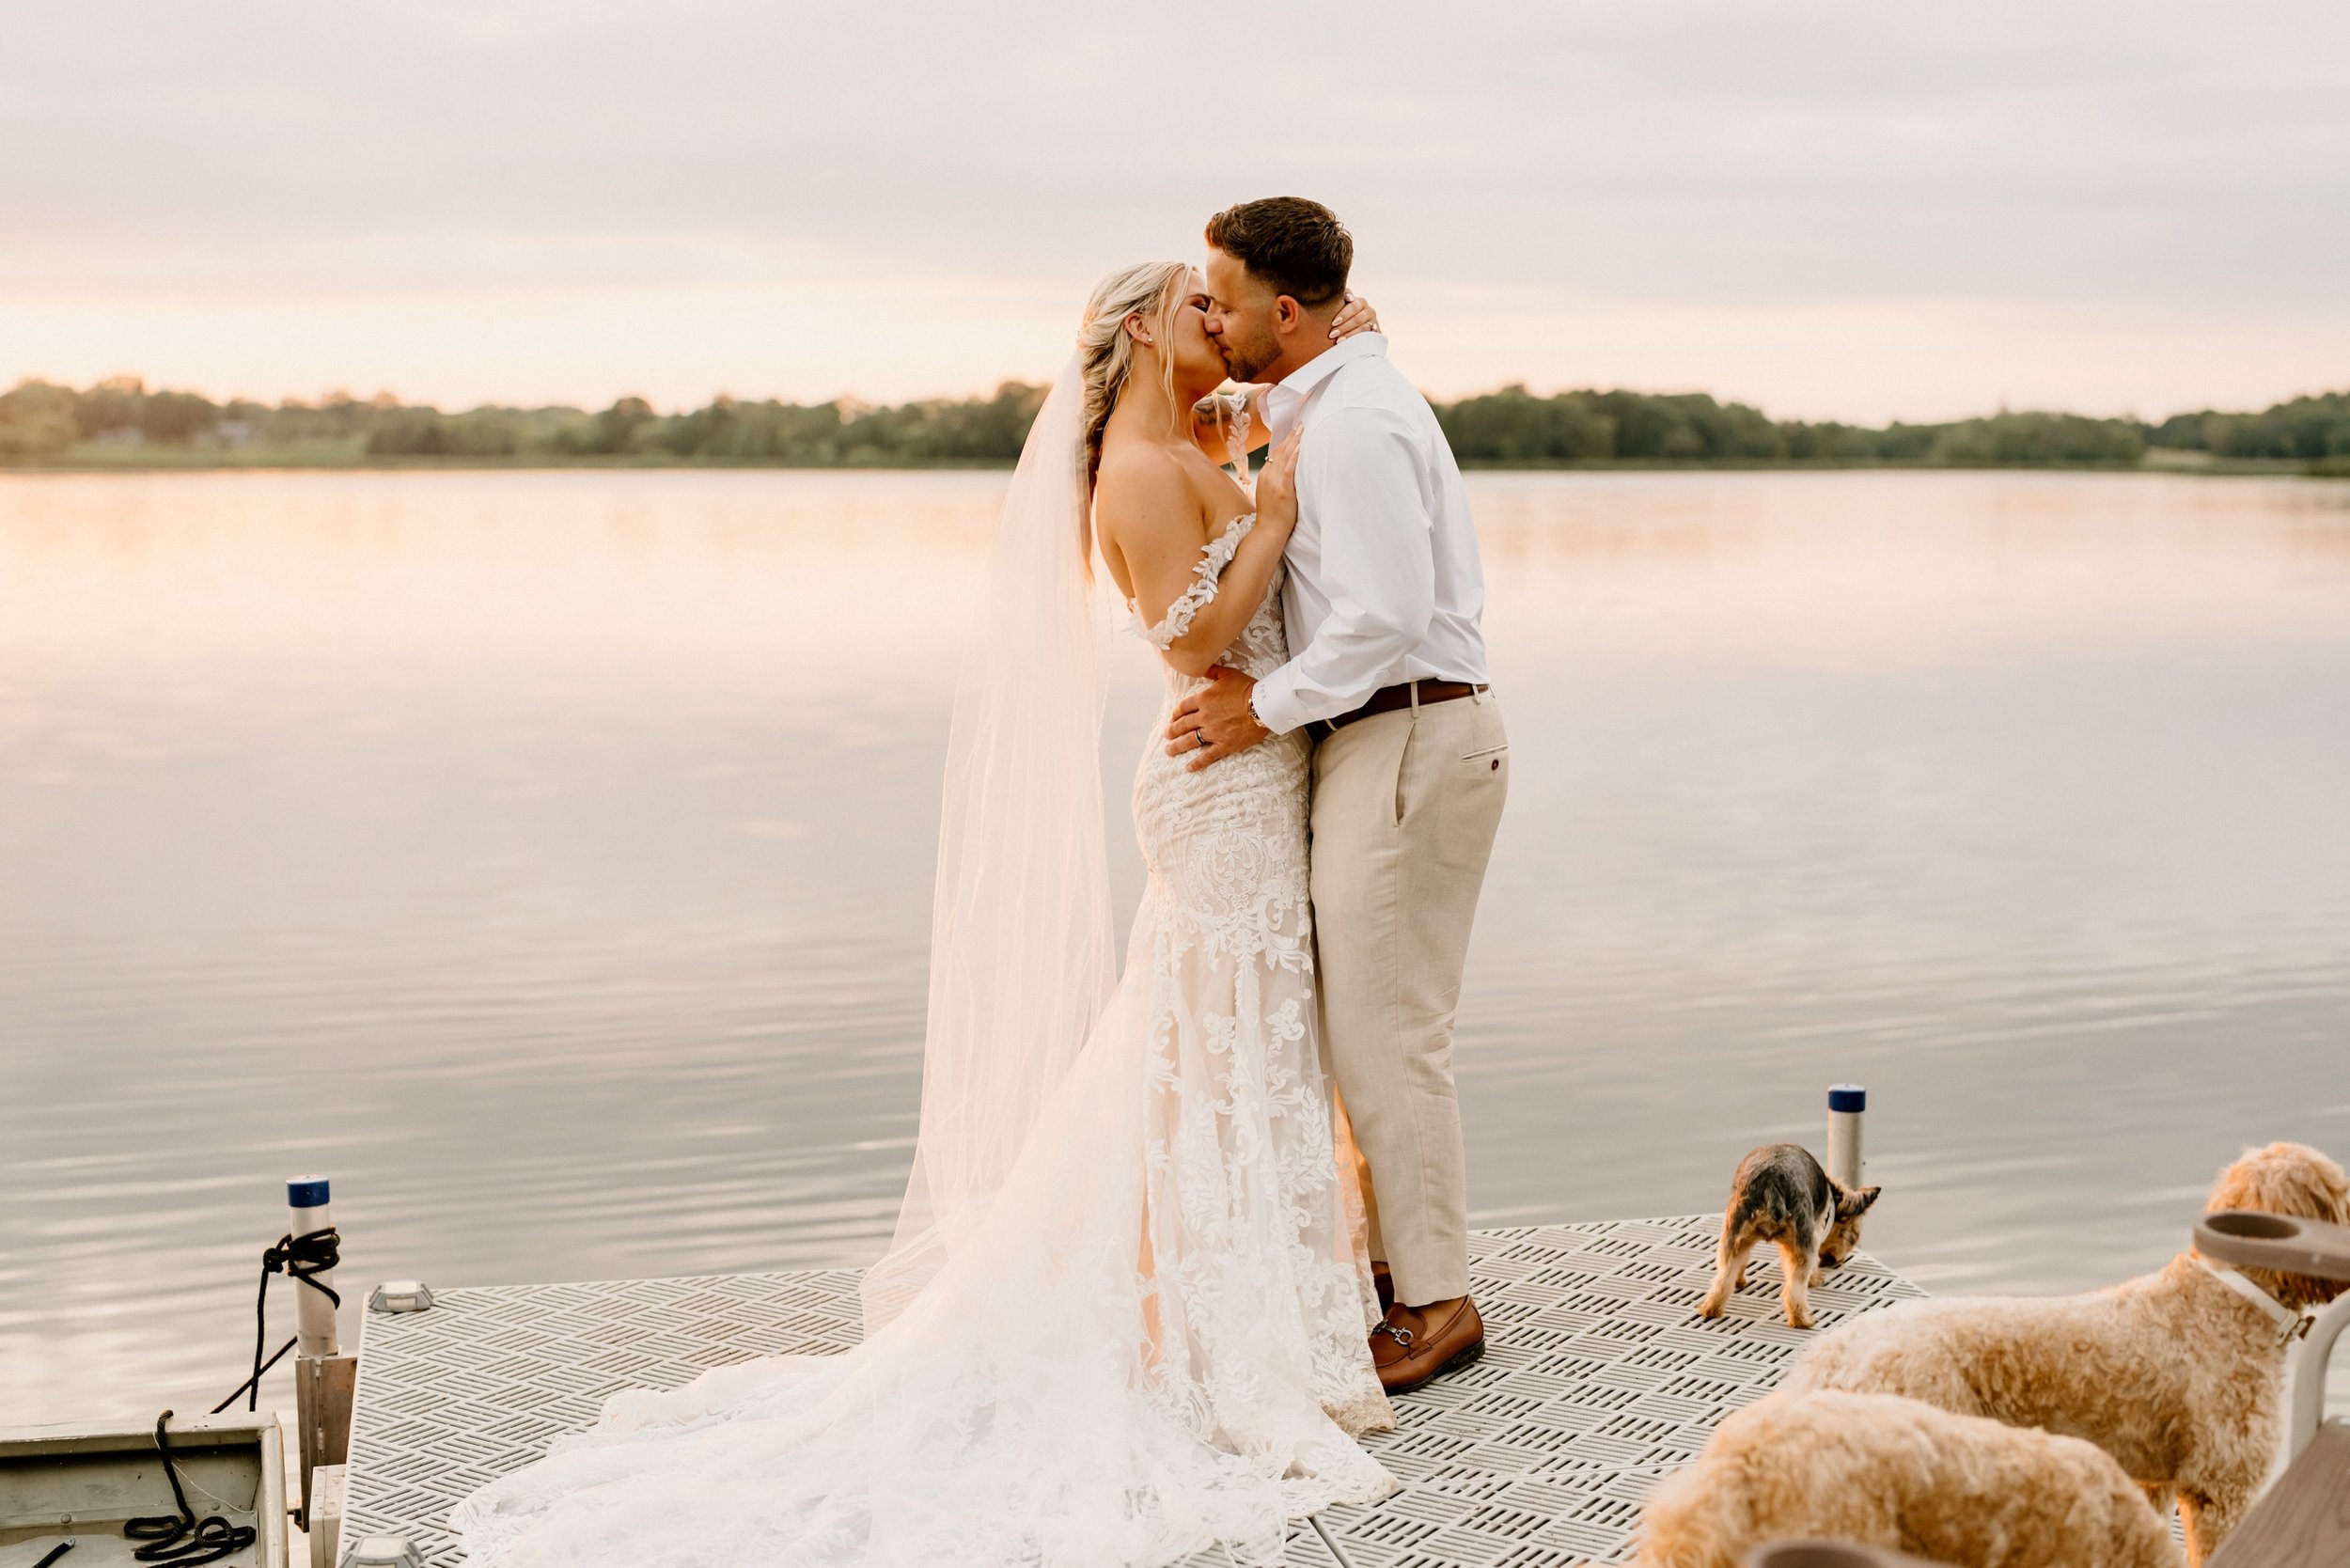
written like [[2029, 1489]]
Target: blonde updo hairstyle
[[1153, 290]]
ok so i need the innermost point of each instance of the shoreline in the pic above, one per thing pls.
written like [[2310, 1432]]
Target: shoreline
[[120, 426], [233, 460]]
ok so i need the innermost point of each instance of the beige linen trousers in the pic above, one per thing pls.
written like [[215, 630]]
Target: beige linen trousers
[[1406, 805]]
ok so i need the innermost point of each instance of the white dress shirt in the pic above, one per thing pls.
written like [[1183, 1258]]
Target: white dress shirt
[[1383, 581]]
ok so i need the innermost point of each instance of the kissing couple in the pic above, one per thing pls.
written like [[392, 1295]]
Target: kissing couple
[[1173, 1235]]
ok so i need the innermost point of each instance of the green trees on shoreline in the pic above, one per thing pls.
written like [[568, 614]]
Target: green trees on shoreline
[[121, 423], [1513, 427]]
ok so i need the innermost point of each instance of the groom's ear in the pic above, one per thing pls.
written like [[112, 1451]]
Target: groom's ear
[[1288, 315]]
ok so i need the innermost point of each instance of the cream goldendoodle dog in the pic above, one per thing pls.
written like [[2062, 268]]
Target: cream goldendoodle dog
[[2178, 1375], [1892, 1472]]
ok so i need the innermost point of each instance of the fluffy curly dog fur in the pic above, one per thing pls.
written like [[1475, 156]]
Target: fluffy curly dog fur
[[1893, 1472], [2173, 1374]]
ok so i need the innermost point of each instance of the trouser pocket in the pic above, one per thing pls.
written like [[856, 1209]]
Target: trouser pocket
[[1470, 784]]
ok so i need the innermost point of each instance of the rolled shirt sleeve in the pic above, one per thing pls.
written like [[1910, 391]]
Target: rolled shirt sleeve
[[1363, 472]]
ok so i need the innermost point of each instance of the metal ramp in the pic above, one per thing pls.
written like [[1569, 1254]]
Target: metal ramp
[[1599, 1379]]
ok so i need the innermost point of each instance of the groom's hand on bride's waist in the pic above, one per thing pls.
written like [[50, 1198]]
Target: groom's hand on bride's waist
[[1215, 721]]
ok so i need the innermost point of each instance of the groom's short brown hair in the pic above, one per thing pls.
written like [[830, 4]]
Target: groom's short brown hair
[[1298, 246]]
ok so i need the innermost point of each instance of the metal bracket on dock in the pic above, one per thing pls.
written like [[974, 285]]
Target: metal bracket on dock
[[323, 1390], [384, 1551]]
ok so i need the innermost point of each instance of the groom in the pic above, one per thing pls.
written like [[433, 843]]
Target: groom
[[1410, 760]]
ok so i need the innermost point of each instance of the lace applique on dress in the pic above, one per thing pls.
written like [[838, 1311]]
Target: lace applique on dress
[[1154, 1338], [1215, 556], [1236, 438], [1229, 409]]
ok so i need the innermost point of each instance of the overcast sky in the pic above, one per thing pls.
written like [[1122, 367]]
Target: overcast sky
[[1862, 208]]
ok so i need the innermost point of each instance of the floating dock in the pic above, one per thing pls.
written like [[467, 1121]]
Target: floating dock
[[1599, 1379]]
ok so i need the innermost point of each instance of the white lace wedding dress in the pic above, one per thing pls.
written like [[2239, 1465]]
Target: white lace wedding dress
[[1152, 1340]]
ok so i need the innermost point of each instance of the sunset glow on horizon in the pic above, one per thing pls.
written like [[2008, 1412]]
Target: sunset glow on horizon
[[1839, 211]]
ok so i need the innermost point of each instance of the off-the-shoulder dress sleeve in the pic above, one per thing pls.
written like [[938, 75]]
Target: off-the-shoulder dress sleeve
[[1215, 556]]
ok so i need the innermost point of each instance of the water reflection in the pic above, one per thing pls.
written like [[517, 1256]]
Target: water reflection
[[548, 857]]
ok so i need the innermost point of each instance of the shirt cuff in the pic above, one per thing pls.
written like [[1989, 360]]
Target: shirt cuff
[[1274, 703]]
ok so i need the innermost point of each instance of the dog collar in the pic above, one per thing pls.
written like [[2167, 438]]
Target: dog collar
[[2292, 1324]]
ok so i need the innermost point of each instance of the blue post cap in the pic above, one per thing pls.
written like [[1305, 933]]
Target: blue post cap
[[305, 1192], [1840, 1097]]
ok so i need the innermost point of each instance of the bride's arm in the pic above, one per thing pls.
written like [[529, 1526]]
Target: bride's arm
[[1193, 598], [1219, 419]]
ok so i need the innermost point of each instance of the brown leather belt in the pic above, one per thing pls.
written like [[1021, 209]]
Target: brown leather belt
[[1387, 699]]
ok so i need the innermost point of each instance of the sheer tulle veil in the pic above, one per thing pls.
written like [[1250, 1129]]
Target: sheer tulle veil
[[1123, 1314], [1021, 951]]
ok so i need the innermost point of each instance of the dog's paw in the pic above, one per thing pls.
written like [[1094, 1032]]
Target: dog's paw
[[1798, 1319]]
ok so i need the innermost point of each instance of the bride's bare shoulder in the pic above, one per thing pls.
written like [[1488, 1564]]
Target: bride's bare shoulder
[[1144, 487]]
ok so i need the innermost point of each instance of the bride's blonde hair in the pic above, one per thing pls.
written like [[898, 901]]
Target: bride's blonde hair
[[1153, 288]]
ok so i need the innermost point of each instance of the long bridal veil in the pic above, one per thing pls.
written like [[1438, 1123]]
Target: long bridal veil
[[1022, 954], [1123, 1314]]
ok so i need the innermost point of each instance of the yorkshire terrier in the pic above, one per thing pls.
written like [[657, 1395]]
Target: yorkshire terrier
[[1780, 1195]]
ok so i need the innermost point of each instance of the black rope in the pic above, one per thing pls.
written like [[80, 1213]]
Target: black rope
[[58, 1551], [313, 1252], [254, 1380], [183, 1538]]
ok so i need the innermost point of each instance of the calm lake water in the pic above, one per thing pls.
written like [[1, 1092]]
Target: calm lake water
[[547, 857]]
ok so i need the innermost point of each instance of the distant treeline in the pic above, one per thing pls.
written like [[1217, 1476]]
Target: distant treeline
[[1514, 428], [121, 423]]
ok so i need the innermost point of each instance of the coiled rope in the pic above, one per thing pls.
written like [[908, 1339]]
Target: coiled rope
[[183, 1538], [302, 1258]]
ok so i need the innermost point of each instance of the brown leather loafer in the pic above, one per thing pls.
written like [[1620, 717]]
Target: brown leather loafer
[[1384, 1282], [1417, 1344]]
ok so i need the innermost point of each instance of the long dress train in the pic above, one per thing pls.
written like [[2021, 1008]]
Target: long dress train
[[1153, 1336]]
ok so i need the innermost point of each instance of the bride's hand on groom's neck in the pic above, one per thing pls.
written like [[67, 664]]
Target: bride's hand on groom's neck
[[1356, 315]]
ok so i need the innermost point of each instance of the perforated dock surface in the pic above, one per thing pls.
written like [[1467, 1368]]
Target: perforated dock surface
[[1599, 1378]]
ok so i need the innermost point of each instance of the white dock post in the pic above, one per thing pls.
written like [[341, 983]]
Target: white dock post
[[324, 1377], [1845, 1103], [314, 1312]]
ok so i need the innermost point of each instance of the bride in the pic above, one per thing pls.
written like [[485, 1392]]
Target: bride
[[1124, 1315]]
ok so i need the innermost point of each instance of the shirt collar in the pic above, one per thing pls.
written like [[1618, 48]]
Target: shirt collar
[[1287, 397]]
